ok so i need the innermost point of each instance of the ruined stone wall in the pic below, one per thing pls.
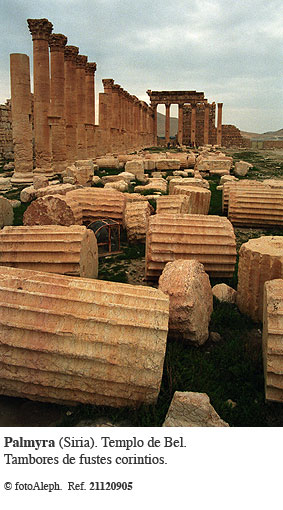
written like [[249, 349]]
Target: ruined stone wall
[[6, 138], [187, 116], [231, 137]]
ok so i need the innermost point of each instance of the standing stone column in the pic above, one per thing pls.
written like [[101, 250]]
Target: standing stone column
[[167, 123], [206, 124], [21, 118], [40, 30], [81, 104], [70, 56], [180, 124], [154, 107], [219, 124], [193, 125], [57, 43], [90, 108], [108, 84]]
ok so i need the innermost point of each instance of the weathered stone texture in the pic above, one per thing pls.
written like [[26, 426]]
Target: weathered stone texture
[[53, 210], [272, 339], [186, 181], [167, 164], [244, 184], [208, 239], [154, 184], [199, 198], [6, 212], [172, 204], [215, 166], [190, 299], [6, 135], [136, 220], [224, 293], [260, 260], [118, 185], [241, 168], [82, 172], [99, 203], [256, 207], [190, 409], [70, 340], [52, 249]]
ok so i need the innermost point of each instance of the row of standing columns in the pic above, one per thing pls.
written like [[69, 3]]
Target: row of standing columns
[[193, 124], [62, 122]]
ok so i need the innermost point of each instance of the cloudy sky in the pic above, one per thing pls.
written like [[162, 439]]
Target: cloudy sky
[[230, 49]]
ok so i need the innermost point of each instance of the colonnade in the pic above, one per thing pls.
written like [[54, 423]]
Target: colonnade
[[64, 108]]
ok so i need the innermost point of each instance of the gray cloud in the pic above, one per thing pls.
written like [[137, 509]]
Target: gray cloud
[[229, 49]]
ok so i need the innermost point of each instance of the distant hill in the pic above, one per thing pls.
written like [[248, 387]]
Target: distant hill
[[161, 125], [269, 135]]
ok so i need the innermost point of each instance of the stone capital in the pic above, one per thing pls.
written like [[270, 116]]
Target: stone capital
[[81, 61], [40, 28], [71, 53], [90, 68], [57, 42], [219, 105], [108, 83]]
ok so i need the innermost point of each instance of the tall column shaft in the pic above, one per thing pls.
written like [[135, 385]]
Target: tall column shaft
[[81, 104], [193, 125], [70, 56], [219, 123], [41, 30], [206, 124], [180, 124], [90, 108], [21, 118], [167, 124], [155, 124], [57, 43]]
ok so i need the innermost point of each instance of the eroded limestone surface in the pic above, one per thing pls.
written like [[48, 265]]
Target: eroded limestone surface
[[136, 220], [190, 409], [53, 210]]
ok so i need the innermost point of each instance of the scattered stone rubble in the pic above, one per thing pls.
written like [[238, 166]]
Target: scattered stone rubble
[[54, 210], [190, 409], [136, 220]]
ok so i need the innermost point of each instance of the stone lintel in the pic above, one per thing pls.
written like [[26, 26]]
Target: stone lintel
[[40, 28], [90, 68], [57, 42], [71, 53], [81, 61]]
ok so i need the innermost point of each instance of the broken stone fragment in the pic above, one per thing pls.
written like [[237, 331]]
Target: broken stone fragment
[[241, 168], [190, 409], [224, 293], [190, 299], [6, 212], [53, 210]]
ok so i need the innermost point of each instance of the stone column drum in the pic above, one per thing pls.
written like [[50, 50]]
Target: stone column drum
[[136, 220], [81, 106], [260, 260], [41, 30], [99, 203], [68, 340], [256, 206], [50, 248], [21, 118], [208, 239], [172, 204], [272, 340], [70, 58], [57, 43], [199, 198], [53, 210]]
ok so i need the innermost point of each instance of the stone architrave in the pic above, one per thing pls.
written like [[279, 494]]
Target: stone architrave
[[6, 212], [191, 409], [90, 108], [53, 210], [40, 30], [57, 43], [190, 299], [208, 239], [70, 59], [21, 118], [81, 63], [68, 340], [53, 249], [199, 198], [272, 339], [260, 260]]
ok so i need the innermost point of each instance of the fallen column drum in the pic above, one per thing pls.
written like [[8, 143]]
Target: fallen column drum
[[208, 239], [99, 203], [70, 340], [50, 248]]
